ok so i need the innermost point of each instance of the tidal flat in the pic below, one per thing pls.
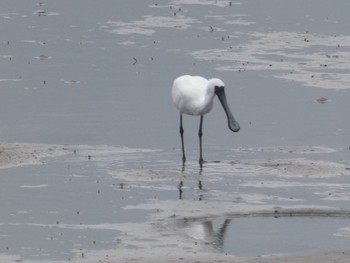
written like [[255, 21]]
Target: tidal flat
[[90, 153]]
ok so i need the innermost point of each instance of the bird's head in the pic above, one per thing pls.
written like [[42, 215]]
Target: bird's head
[[216, 83], [219, 89]]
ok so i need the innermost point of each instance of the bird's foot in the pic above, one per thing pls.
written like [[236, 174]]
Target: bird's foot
[[201, 162]]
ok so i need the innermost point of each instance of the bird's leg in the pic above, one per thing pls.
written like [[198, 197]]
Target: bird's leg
[[182, 141], [200, 134]]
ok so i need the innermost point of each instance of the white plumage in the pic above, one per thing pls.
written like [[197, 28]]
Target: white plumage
[[194, 95]]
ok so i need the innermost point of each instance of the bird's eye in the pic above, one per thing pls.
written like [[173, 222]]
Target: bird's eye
[[219, 88]]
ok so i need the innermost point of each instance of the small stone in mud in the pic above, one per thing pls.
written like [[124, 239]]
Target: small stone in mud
[[41, 13], [43, 57], [322, 100]]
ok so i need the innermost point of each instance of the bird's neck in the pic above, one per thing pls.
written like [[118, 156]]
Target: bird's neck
[[208, 101]]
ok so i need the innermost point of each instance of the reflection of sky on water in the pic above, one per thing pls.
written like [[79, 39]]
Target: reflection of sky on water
[[102, 75], [244, 235]]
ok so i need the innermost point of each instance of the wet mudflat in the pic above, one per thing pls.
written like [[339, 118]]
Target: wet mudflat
[[90, 155], [107, 203]]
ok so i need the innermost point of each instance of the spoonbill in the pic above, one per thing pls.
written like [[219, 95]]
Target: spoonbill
[[194, 95]]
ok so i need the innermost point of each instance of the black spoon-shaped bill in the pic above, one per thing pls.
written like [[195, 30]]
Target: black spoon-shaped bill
[[232, 123]]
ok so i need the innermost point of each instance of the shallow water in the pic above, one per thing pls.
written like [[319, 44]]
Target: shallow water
[[263, 236], [102, 74], [102, 199]]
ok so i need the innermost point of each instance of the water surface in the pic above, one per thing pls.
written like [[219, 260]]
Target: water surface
[[100, 73]]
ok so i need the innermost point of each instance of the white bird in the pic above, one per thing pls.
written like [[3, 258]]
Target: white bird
[[194, 95]]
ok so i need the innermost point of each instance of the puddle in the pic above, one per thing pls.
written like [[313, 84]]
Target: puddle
[[262, 236]]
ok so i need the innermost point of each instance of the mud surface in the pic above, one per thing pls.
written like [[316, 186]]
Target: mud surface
[[95, 207]]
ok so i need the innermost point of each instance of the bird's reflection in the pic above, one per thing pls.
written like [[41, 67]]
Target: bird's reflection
[[181, 191], [181, 184], [205, 232], [202, 230]]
